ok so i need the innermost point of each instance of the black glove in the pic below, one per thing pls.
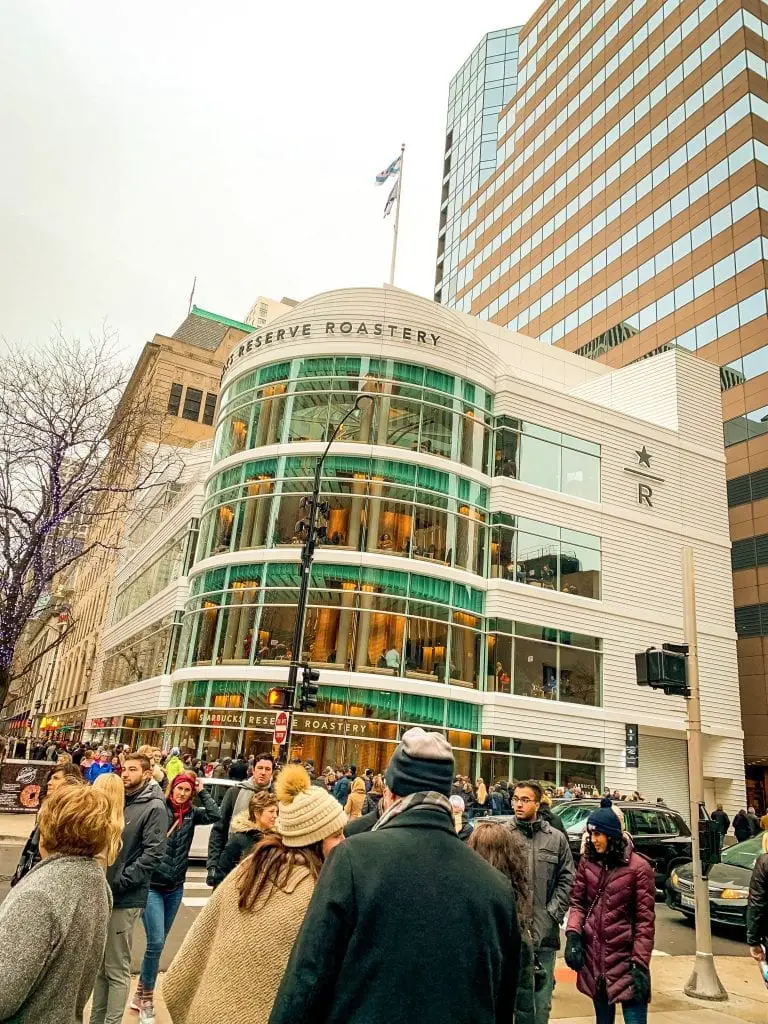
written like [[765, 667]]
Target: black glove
[[641, 984], [574, 951]]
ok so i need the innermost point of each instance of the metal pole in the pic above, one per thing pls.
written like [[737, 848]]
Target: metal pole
[[703, 982], [397, 215], [307, 556]]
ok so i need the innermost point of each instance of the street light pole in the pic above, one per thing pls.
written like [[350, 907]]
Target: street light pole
[[307, 556], [703, 982]]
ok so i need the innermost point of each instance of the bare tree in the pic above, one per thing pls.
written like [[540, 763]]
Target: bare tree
[[76, 450]]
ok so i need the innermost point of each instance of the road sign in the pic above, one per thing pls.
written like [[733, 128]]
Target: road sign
[[281, 728]]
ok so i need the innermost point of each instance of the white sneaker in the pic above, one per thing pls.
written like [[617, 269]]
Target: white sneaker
[[147, 1015], [135, 1004]]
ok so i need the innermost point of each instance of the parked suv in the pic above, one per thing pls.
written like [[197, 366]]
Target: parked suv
[[659, 833]]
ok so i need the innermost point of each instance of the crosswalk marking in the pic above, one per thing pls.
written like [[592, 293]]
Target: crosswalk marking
[[194, 901], [197, 885]]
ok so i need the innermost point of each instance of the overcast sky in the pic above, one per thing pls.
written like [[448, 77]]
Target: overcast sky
[[145, 143]]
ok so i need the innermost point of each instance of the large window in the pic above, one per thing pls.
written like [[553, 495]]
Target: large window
[[192, 401], [168, 565], [148, 653], [369, 620], [542, 555], [743, 428], [174, 399], [547, 458], [552, 764], [384, 622], [536, 661], [413, 407], [349, 725], [373, 505]]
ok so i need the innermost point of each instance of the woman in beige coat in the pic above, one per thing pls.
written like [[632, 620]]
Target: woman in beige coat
[[259, 906], [356, 799]]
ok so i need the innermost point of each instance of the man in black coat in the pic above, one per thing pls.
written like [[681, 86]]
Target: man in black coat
[[722, 819], [235, 802], [394, 907], [144, 840]]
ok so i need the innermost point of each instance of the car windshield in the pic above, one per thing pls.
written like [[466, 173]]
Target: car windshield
[[743, 855], [573, 817]]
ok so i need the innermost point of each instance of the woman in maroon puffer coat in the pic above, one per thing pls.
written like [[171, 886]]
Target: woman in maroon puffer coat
[[611, 921]]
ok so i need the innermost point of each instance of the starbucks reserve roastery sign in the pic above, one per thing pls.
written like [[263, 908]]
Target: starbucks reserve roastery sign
[[302, 722], [349, 330]]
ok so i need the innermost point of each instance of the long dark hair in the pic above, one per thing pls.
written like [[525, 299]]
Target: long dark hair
[[505, 851], [271, 865]]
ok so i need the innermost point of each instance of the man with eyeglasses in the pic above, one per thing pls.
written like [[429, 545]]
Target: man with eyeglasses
[[551, 874]]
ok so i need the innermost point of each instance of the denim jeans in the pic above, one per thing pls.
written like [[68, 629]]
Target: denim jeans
[[542, 996], [634, 1013], [158, 916]]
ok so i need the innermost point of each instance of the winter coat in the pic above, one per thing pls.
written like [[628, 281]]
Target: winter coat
[[97, 769], [723, 821], [525, 1010], [614, 911], [550, 869], [400, 883], [342, 789], [371, 802], [742, 828], [53, 929], [214, 976], [356, 799], [235, 802], [244, 837], [146, 823], [757, 906], [364, 823], [173, 766], [172, 869]]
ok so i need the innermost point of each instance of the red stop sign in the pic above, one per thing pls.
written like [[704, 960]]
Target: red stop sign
[[281, 728]]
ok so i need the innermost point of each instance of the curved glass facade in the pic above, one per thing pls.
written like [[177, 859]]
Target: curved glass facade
[[391, 591]]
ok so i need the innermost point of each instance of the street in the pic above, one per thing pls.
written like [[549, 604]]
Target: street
[[674, 937]]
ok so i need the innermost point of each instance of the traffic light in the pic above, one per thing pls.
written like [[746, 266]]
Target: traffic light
[[309, 688], [664, 669], [278, 698], [710, 844]]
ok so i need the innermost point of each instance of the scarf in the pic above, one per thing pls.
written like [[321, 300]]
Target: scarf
[[413, 803]]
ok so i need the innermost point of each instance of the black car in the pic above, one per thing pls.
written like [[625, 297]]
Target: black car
[[728, 884], [659, 833]]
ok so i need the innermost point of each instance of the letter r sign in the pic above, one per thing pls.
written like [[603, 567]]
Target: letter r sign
[[644, 495]]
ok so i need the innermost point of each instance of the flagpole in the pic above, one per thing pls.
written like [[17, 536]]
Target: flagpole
[[397, 215]]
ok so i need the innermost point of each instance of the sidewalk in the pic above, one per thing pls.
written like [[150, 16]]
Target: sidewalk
[[748, 996], [15, 828]]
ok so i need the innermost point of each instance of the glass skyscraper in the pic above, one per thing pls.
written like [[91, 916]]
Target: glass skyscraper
[[625, 217], [478, 91]]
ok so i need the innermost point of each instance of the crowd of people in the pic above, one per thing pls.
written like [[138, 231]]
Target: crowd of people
[[323, 877]]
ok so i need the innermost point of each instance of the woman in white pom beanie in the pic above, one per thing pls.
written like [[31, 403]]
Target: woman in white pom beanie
[[232, 961]]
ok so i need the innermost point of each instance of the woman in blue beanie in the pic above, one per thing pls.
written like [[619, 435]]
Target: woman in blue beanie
[[612, 921]]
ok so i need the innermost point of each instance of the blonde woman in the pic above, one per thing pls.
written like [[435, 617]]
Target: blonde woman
[[56, 918], [112, 787], [259, 906]]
